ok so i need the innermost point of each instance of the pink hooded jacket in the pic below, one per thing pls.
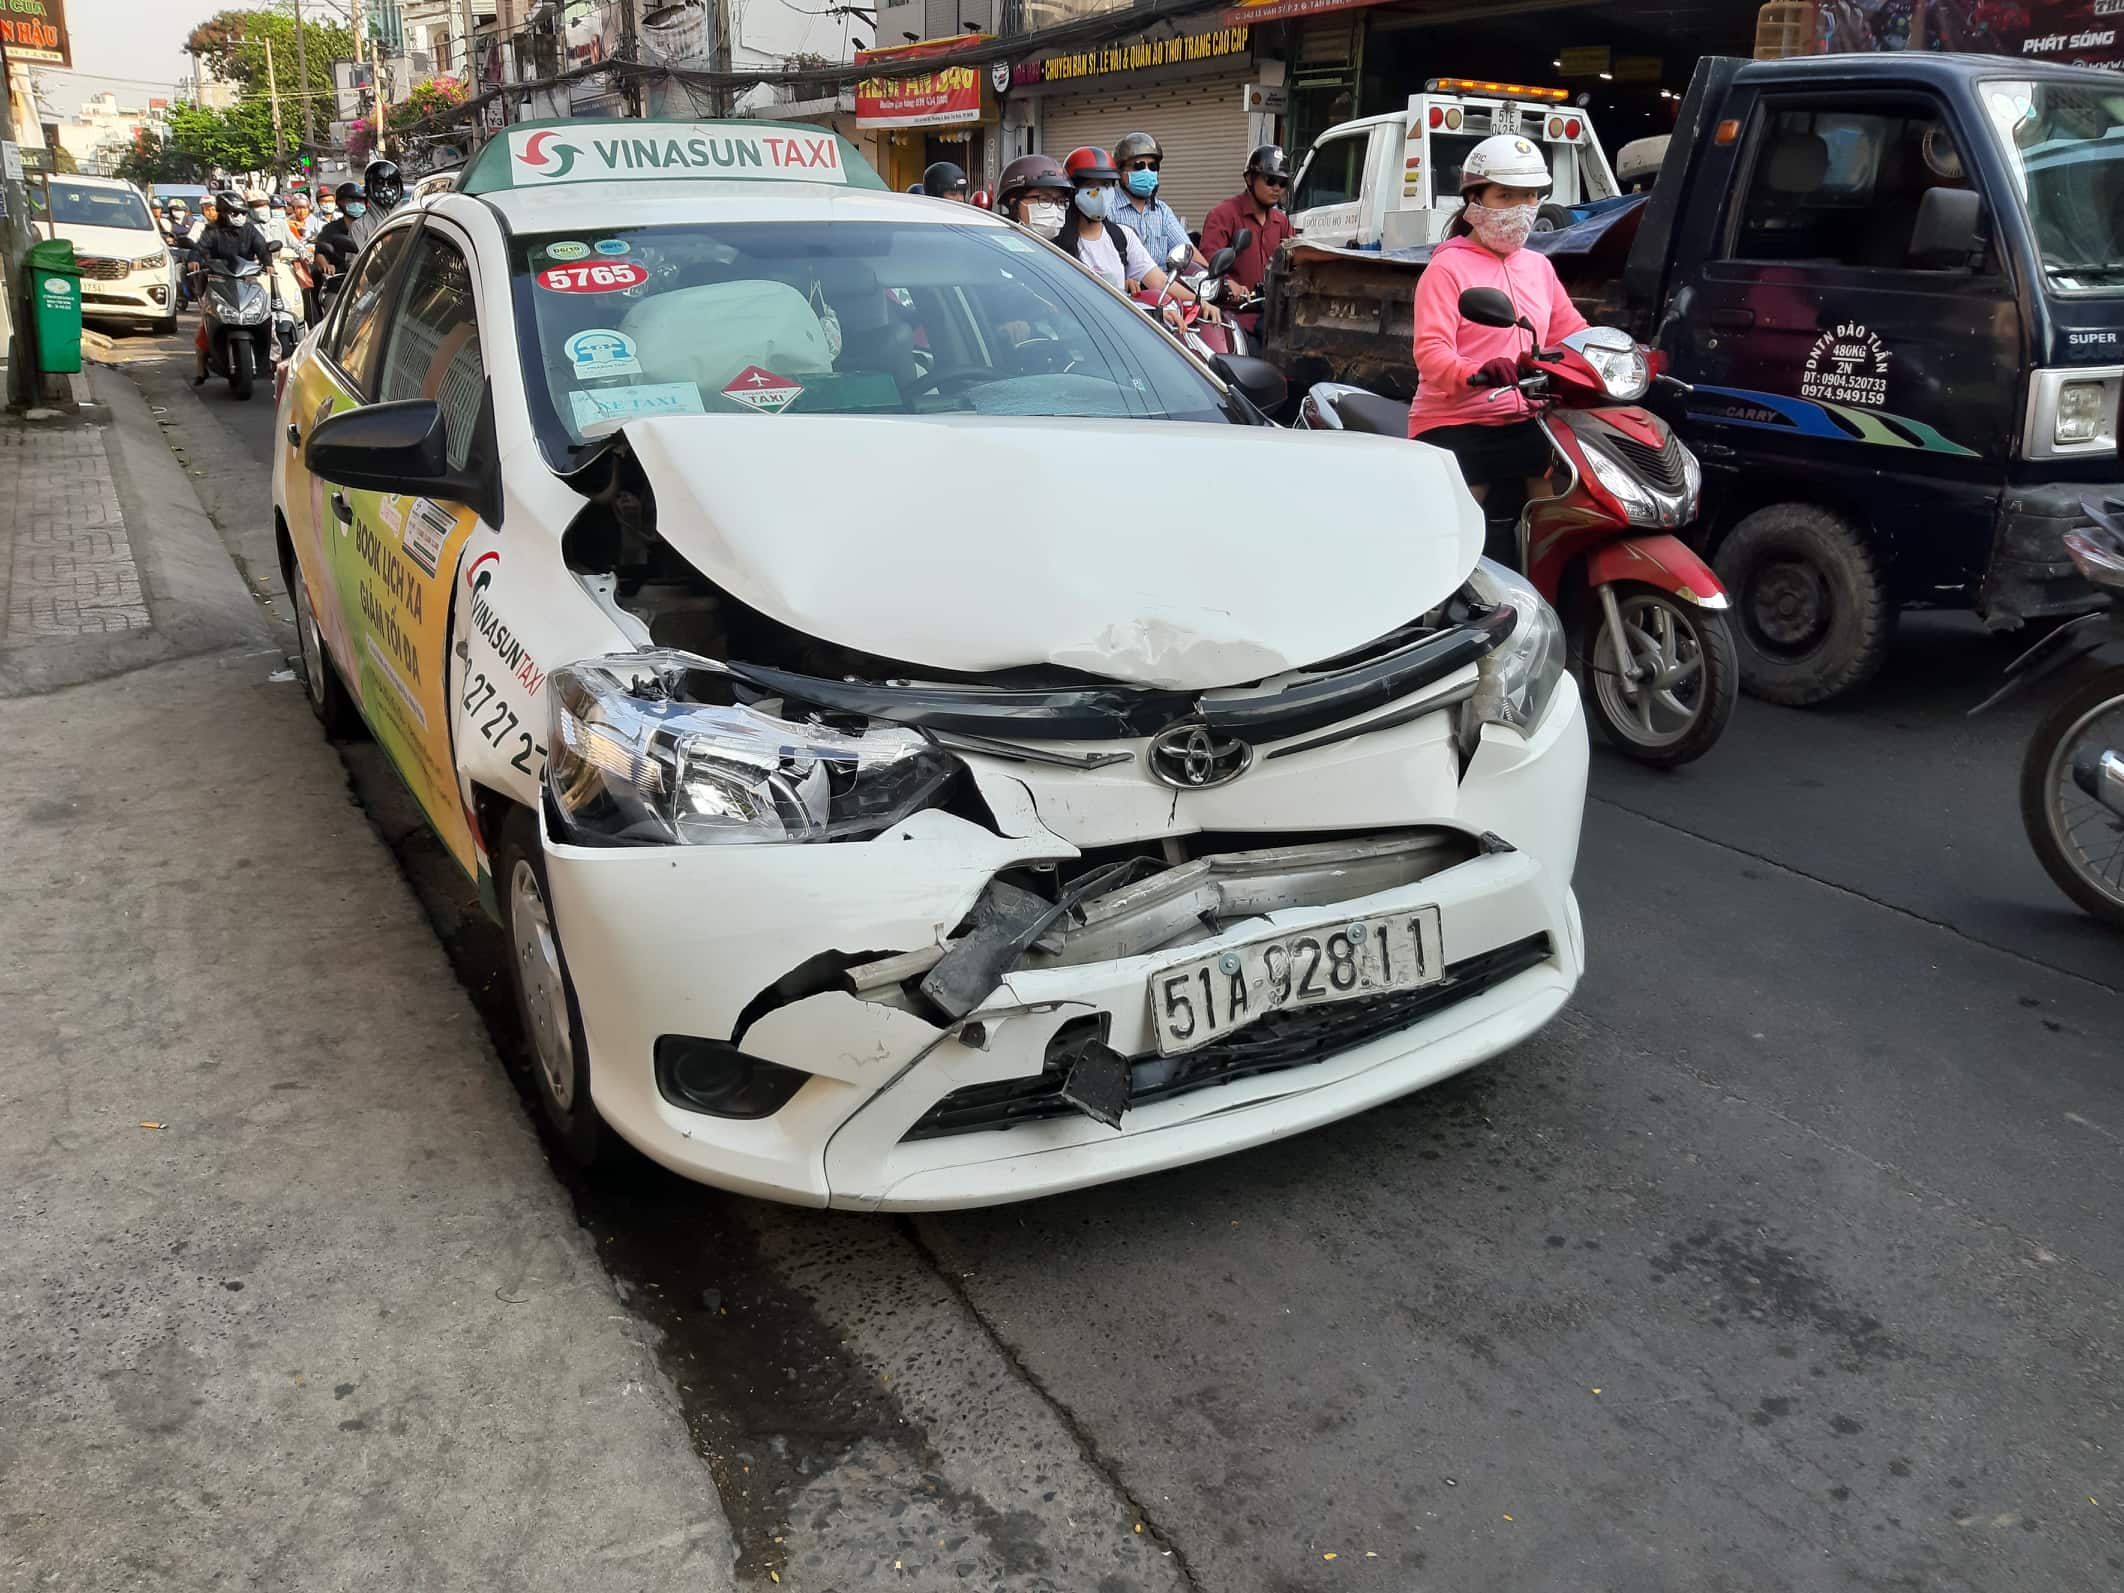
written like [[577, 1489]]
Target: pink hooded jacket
[[1450, 349]]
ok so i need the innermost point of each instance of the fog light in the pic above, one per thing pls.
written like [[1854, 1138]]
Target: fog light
[[715, 1077], [159, 293]]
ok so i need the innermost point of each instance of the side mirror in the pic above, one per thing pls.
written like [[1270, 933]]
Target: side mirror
[[1488, 307], [1242, 240], [1221, 262], [400, 448], [1945, 235], [1176, 257], [1258, 379]]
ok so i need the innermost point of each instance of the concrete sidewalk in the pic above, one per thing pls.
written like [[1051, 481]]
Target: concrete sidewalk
[[290, 1298]]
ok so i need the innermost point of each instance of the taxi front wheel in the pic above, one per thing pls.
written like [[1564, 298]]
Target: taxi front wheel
[[546, 1010], [335, 710]]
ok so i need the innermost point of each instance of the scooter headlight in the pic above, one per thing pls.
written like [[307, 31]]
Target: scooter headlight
[[1515, 681], [652, 748], [1616, 355]]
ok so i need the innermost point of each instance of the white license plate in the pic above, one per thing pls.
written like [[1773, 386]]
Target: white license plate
[[1505, 119], [1196, 1002]]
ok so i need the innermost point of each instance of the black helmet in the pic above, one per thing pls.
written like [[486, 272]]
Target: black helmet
[[1136, 146], [232, 208], [382, 184], [943, 180], [1269, 161], [347, 194]]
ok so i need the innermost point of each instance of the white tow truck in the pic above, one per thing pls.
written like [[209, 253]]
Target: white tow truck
[[1393, 181]]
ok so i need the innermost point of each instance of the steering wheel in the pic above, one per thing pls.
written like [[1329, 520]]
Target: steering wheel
[[964, 375], [1040, 355]]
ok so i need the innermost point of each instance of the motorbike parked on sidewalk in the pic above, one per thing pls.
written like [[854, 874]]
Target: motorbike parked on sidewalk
[[1645, 617], [242, 325], [2072, 773]]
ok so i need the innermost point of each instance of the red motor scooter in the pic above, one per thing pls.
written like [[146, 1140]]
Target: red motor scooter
[[1645, 618], [1203, 339]]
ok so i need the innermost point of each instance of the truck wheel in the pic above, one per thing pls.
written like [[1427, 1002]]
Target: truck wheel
[[1553, 218], [545, 996], [1811, 614]]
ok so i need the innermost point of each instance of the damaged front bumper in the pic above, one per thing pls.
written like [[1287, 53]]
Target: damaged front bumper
[[918, 1098]]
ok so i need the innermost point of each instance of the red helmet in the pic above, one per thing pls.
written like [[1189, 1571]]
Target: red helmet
[[1090, 164], [980, 197]]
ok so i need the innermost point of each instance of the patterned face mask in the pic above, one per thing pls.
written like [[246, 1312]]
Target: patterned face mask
[[1500, 231]]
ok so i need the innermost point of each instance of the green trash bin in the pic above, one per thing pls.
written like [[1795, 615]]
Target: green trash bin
[[55, 299]]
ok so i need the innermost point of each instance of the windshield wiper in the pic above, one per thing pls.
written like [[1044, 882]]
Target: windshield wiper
[[2085, 268]]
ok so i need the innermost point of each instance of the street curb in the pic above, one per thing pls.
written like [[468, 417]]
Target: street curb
[[197, 599]]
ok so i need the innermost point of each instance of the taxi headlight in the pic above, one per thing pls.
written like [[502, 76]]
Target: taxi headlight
[[638, 757], [1515, 681]]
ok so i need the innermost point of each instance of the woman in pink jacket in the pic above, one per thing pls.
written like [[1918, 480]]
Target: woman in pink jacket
[[1490, 428]]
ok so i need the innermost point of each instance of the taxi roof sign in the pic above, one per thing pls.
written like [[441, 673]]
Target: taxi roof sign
[[544, 154]]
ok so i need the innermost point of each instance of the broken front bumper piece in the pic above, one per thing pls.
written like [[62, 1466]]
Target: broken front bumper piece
[[949, 1096]]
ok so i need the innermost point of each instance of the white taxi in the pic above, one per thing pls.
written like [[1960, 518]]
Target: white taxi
[[927, 741]]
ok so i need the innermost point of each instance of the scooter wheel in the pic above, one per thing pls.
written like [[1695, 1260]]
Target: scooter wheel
[[1690, 677], [2079, 842]]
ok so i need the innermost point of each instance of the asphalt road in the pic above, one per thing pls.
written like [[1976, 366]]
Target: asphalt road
[[1786, 1259]]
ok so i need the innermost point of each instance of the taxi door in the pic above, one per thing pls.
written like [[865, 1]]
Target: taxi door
[[389, 559]]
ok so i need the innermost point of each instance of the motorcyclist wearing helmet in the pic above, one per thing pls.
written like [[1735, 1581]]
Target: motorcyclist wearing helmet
[[943, 180], [233, 239], [1258, 207], [381, 189], [1466, 400], [1112, 253], [1137, 157], [335, 239], [1035, 193]]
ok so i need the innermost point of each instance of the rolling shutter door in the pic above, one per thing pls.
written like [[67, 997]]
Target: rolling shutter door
[[1200, 125]]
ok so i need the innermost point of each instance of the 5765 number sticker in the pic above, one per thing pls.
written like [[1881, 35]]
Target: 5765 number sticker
[[606, 276], [502, 728]]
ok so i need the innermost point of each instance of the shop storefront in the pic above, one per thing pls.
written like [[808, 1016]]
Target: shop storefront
[[1191, 91], [920, 114]]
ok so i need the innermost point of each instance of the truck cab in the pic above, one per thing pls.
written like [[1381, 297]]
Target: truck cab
[[1393, 181]]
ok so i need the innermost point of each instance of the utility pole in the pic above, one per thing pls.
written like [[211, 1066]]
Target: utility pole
[[302, 76], [637, 94], [376, 79], [16, 235], [280, 162], [720, 57]]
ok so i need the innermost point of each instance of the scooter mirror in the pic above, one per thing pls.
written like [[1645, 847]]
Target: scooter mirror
[[1221, 262], [1488, 307], [1177, 256], [1241, 239]]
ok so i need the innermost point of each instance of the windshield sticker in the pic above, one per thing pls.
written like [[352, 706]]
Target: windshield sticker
[[762, 390], [1847, 366], [613, 406], [615, 276], [567, 249], [598, 352], [1017, 245], [610, 246]]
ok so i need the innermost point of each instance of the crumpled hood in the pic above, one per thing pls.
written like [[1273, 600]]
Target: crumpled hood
[[1171, 554]]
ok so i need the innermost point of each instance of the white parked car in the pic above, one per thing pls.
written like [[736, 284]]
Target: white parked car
[[127, 274], [882, 810]]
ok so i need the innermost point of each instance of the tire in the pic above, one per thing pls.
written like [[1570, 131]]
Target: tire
[[329, 698], [1811, 616], [166, 327], [546, 1009], [1553, 218], [241, 369], [2075, 867], [1702, 641]]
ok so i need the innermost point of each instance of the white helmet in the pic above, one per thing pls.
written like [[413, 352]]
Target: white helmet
[[1509, 160]]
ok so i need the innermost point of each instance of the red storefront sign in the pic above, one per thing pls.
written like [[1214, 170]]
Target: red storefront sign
[[34, 32], [916, 95]]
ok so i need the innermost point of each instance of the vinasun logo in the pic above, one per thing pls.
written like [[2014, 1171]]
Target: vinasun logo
[[545, 148]]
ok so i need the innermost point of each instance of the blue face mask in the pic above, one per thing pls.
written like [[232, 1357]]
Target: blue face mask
[[1143, 183], [357, 210], [1092, 204]]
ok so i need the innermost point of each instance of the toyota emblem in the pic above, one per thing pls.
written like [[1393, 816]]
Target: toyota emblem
[[1191, 757]]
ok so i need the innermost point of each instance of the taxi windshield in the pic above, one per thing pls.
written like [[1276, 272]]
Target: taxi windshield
[[831, 318]]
